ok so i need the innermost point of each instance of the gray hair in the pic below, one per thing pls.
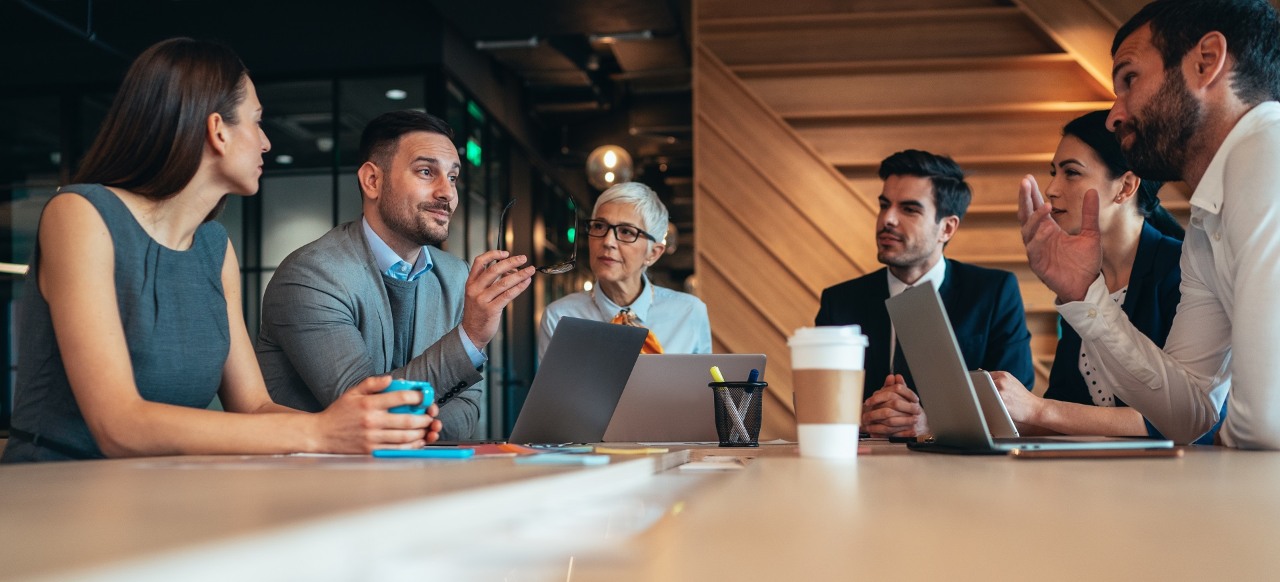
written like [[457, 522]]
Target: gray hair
[[652, 211]]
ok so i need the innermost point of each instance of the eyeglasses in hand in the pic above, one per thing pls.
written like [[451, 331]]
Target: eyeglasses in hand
[[623, 232], [556, 269]]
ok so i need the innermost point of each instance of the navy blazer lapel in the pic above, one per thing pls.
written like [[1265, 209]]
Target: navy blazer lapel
[[877, 326], [947, 287], [880, 315], [1144, 261]]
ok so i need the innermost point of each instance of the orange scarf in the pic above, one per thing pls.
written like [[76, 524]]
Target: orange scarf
[[651, 344]]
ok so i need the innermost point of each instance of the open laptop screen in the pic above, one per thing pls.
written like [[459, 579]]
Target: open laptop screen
[[578, 383]]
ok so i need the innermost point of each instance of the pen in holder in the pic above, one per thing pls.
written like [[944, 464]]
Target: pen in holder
[[738, 411]]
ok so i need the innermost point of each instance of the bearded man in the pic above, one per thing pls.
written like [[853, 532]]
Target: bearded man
[[375, 296], [1196, 86]]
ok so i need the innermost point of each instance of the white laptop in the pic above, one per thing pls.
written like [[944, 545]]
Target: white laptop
[[957, 419], [666, 399]]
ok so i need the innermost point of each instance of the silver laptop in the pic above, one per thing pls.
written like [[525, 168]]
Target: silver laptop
[[957, 419], [999, 423], [578, 384], [667, 400]]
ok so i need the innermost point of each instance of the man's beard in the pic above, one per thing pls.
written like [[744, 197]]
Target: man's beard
[[908, 258], [412, 225], [1162, 131]]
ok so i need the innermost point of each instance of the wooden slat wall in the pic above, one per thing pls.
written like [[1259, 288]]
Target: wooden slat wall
[[796, 103], [1082, 29]]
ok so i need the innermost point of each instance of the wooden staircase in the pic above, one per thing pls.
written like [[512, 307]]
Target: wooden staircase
[[796, 103]]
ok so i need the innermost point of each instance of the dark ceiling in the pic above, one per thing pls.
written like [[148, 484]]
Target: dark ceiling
[[591, 71], [595, 72]]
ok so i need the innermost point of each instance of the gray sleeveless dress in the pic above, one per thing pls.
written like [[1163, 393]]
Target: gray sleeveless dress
[[175, 323]]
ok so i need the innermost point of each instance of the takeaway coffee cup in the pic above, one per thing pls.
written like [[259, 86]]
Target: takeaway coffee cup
[[827, 377]]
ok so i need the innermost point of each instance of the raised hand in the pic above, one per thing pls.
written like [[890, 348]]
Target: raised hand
[[1068, 264], [490, 287]]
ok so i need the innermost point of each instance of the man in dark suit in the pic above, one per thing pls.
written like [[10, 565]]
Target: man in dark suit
[[923, 199]]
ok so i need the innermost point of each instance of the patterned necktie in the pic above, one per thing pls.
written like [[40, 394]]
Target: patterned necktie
[[651, 344]]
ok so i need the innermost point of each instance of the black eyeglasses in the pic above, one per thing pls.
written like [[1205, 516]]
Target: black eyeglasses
[[623, 232], [556, 269]]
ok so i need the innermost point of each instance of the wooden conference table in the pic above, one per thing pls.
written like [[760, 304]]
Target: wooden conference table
[[891, 515]]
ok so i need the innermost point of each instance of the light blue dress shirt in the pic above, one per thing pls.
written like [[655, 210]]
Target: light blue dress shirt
[[679, 320], [390, 264]]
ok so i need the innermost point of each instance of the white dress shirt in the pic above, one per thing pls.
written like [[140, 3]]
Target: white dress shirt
[[1230, 259], [1101, 394]]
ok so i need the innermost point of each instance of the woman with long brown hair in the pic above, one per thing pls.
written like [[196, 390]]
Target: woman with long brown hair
[[131, 320]]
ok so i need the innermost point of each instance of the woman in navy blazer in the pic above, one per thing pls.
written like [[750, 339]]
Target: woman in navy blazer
[[1141, 246]]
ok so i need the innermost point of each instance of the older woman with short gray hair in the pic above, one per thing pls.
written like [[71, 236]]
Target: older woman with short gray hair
[[626, 235]]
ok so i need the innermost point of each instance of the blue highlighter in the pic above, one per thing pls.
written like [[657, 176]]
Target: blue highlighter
[[428, 396]]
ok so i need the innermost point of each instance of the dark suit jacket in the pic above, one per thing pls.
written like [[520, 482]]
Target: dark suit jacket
[[984, 305], [1151, 302]]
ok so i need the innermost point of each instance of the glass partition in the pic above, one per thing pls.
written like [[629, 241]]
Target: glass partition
[[31, 167]]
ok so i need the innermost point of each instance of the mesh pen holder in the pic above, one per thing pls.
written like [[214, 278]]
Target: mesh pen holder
[[738, 411]]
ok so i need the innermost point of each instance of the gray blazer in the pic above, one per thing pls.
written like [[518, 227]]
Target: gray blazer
[[326, 326]]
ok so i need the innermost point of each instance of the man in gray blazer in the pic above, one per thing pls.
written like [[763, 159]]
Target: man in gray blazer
[[374, 297]]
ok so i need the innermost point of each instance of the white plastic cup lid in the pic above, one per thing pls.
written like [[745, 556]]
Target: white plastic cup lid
[[827, 335], [828, 348]]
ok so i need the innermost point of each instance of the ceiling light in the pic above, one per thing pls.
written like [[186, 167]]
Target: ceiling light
[[608, 165], [324, 144], [284, 159], [621, 36], [397, 94]]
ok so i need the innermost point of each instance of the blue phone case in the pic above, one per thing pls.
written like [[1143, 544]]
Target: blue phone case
[[427, 453]]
